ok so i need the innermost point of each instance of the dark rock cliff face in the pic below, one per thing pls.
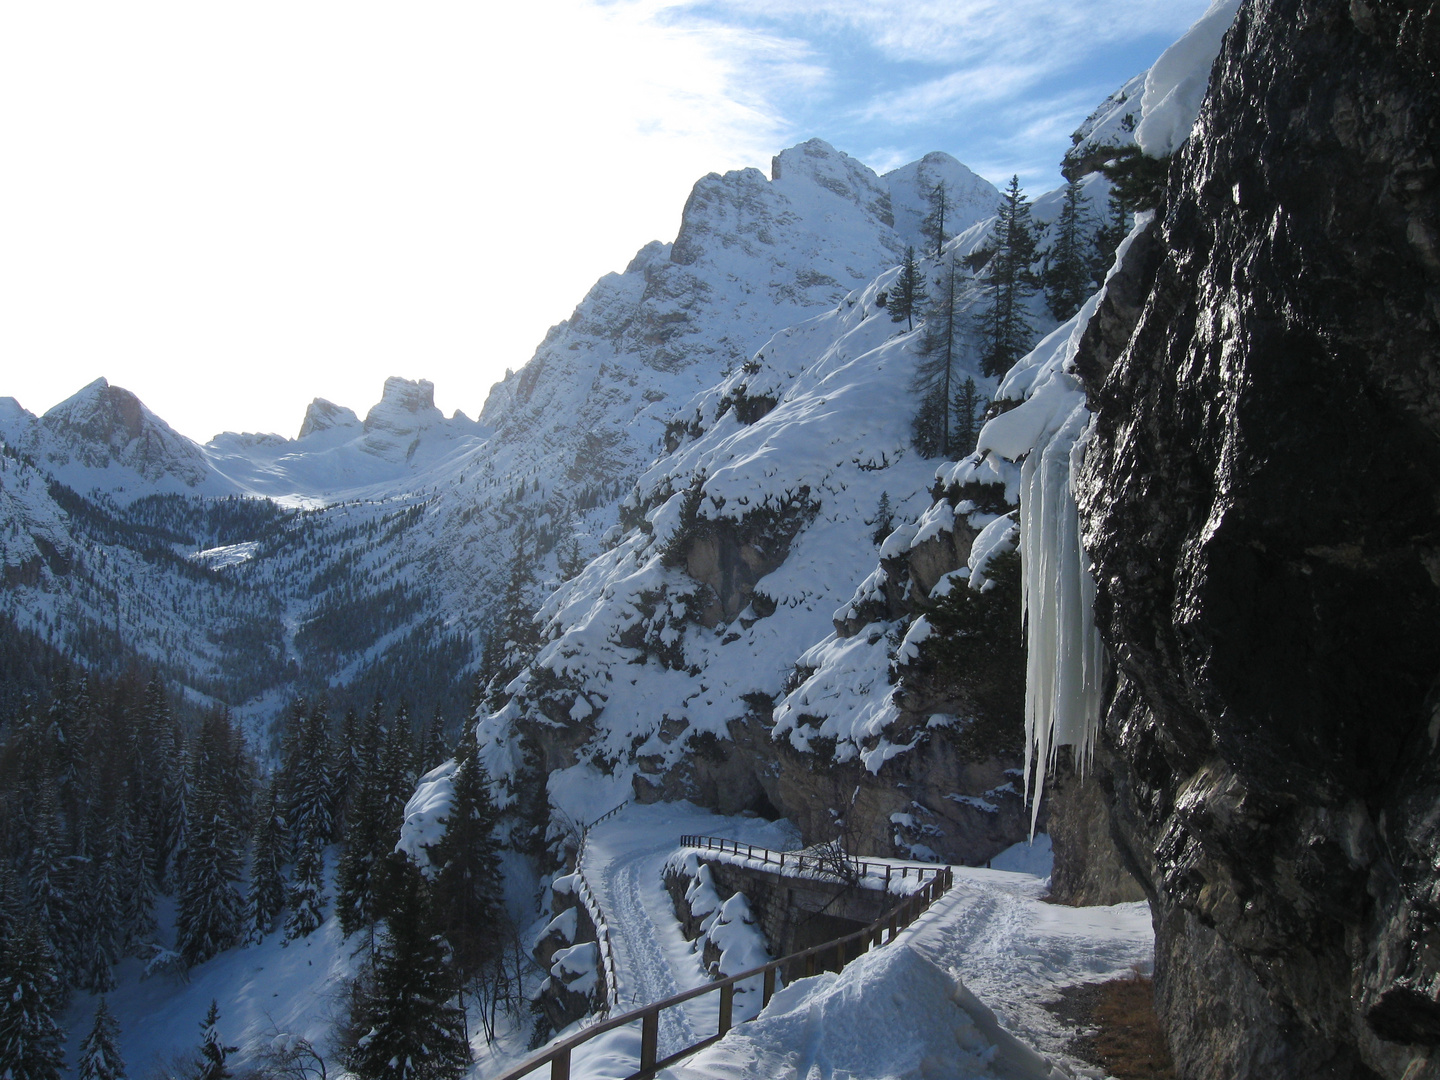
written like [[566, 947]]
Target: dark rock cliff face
[[1262, 501]]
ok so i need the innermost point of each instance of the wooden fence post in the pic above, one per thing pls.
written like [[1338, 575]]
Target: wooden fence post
[[560, 1066], [649, 1040], [727, 1003]]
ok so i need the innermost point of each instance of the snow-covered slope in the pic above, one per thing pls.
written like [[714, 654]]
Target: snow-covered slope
[[419, 517]]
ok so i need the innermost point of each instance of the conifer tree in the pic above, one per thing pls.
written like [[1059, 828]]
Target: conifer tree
[[209, 914], [1004, 330], [99, 1053], [519, 636], [345, 767], [135, 860], [937, 369], [410, 1028], [571, 559], [468, 888], [32, 1043], [397, 767], [267, 883], [969, 407], [433, 752], [908, 294], [1108, 237], [366, 831], [306, 895], [214, 1054], [158, 780], [52, 886], [884, 521], [1067, 273], [932, 227], [306, 778], [99, 924]]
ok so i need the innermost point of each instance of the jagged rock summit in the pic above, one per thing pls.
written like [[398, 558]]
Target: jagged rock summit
[[752, 255], [322, 415], [336, 456], [394, 426]]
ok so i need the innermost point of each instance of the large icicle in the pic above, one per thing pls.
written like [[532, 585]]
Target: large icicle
[[1064, 653]]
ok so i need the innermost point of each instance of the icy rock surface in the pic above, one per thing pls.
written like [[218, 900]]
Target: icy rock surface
[[1256, 498]]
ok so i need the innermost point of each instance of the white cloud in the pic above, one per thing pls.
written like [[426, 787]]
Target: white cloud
[[963, 31]]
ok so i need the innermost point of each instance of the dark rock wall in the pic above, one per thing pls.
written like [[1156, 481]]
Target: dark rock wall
[[1262, 505], [1089, 868]]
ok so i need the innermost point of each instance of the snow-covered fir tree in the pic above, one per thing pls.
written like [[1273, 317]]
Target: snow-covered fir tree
[[1001, 323], [267, 883], [99, 1051], [407, 1024], [209, 916], [214, 1054], [468, 888], [306, 895], [1067, 274], [908, 295], [32, 1043]]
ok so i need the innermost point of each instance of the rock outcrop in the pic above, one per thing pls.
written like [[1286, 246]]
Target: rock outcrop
[[322, 415], [1259, 499]]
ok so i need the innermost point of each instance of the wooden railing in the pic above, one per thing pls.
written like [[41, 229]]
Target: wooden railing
[[605, 816], [592, 908], [805, 963], [801, 863]]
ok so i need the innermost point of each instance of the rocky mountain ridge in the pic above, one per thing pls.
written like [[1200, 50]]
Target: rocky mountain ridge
[[425, 511]]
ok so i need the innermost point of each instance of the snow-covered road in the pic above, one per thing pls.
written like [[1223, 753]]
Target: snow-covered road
[[623, 861], [990, 942]]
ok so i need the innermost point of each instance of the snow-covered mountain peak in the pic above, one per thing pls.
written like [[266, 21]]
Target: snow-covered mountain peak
[[393, 426], [405, 404], [104, 426], [15, 420], [322, 415], [972, 197], [820, 163], [752, 256]]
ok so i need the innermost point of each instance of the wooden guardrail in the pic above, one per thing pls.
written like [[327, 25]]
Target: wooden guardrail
[[801, 862], [807, 963], [592, 908]]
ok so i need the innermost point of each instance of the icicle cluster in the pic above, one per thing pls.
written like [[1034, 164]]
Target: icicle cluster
[[1065, 656]]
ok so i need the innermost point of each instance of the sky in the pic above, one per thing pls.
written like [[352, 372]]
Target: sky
[[231, 209]]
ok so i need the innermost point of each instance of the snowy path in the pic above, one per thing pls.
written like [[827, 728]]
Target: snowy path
[[623, 861], [1014, 952], [957, 995]]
